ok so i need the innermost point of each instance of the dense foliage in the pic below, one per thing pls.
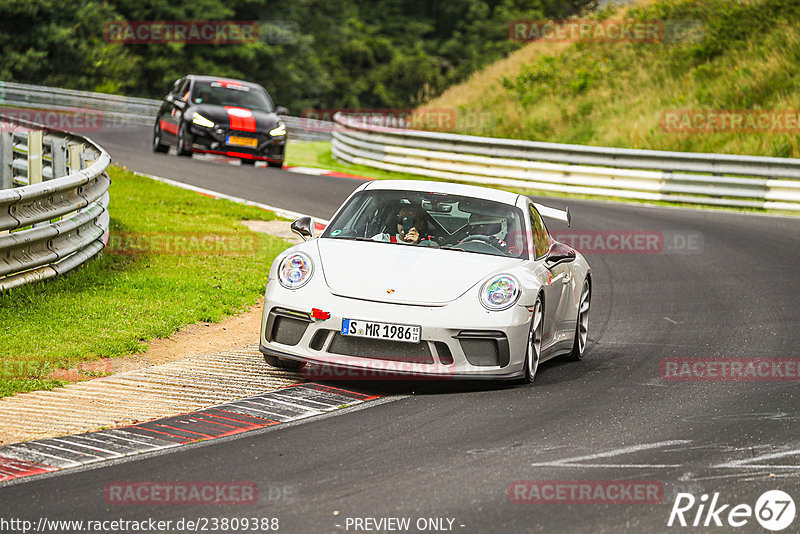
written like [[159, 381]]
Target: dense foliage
[[332, 53], [719, 56]]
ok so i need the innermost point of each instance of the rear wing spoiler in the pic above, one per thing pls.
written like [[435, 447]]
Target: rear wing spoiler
[[553, 213]]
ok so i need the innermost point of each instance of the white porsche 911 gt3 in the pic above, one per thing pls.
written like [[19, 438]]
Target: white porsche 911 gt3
[[428, 279]]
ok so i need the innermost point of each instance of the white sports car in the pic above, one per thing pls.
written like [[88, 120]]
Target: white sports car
[[428, 279]]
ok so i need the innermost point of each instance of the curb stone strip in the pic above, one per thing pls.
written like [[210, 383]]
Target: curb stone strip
[[298, 401]]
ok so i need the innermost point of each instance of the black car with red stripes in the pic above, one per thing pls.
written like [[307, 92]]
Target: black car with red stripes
[[212, 115]]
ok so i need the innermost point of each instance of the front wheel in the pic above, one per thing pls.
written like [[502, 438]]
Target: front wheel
[[280, 363], [158, 145], [534, 348], [248, 162], [277, 164], [184, 142], [582, 326]]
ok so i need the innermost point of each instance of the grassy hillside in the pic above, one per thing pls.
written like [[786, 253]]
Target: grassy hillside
[[716, 55]]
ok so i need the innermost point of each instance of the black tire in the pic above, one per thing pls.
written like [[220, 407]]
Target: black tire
[[248, 162], [184, 142], [534, 345], [280, 363], [582, 323], [277, 164], [158, 146]]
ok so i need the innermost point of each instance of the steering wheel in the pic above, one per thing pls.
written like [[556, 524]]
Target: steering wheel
[[484, 238]]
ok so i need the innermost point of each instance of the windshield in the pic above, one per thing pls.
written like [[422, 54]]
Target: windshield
[[437, 220], [222, 93]]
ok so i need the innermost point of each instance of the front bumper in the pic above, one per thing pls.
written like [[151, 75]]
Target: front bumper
[[458, 340], [213, 141]]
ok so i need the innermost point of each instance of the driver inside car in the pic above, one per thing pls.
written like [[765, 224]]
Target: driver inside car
[[490, 231], [411, 227]]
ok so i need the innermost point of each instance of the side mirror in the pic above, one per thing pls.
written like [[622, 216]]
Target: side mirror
[[304, 227], [559, 253], [282, 110]]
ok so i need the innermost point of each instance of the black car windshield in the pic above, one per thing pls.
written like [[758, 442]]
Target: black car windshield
[[436, 220], [222, 93]]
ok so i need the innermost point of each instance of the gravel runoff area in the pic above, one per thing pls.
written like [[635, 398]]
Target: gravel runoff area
[[129, 397], [200, 366]]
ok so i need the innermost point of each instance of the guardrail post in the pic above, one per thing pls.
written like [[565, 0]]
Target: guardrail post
[[6, 159], [34, 157], [76, 163], [75, 160], [58, 151]]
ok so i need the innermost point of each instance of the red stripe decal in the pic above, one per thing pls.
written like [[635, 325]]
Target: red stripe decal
[[241, 119], [228, 83], [168, 127]]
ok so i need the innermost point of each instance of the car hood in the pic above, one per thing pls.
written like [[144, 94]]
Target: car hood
[[238, 118], [407, 274]]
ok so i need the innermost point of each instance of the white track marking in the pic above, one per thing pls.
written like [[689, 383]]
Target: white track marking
[[749, 463], [571, 462], [308, 170]]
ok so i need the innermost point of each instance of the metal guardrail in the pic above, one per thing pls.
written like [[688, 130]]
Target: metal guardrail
[[116, 110], [53, 202], [710, 179]]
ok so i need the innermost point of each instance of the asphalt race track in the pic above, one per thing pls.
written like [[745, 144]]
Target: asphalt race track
[[720, 285]]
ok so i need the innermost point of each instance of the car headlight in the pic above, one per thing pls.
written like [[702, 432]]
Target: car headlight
[[202, 121], [500, 292], [295, 270], [278, 130]]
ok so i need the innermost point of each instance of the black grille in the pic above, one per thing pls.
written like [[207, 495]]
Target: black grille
[[288, 331], [444, 352], [484, 348], [381, 349], [318, 341]]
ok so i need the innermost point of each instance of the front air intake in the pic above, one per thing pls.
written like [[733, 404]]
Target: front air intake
[[484, 348]]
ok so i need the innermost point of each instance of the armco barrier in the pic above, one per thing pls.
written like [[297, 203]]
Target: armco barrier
[[710, 179], [53, 202], [115, 110]]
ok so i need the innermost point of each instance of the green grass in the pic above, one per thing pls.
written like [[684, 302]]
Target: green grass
[[717, 55], [115, 303], [318, 154]]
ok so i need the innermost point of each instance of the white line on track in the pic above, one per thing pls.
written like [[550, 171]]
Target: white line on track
[[614, 452]]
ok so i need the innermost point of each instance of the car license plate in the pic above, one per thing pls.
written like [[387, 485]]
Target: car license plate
[[371, 329], [242, 141]]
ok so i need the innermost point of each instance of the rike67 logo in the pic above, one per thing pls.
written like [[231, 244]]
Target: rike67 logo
[[774, 510]]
